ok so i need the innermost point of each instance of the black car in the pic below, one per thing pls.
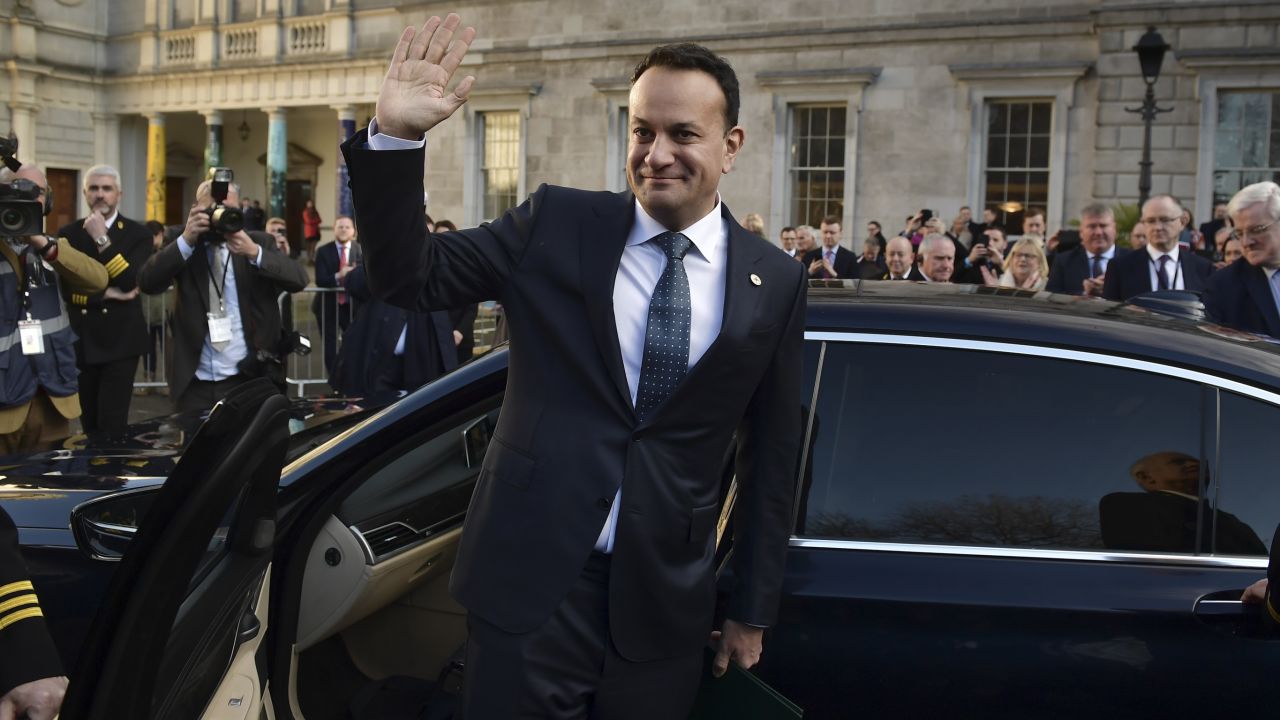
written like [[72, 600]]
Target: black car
[[1009, 505]]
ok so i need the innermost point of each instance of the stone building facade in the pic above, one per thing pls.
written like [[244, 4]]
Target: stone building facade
[[861, 108]]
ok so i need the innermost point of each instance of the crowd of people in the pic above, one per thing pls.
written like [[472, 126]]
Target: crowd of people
[[1165, 251]]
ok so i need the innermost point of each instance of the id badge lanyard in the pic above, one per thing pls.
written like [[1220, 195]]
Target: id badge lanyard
[[29, 330], [219, 323]]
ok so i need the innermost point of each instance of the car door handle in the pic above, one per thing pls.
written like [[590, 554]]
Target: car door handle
[[1224, 609]]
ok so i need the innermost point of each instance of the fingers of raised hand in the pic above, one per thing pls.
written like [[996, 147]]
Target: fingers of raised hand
[[440, 38], [453, 58], [418, 49]]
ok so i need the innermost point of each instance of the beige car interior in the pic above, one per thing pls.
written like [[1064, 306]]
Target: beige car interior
[[375, 597]]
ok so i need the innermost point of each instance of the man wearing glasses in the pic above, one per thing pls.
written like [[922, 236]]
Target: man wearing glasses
[[1163, 265], [1246, 293]]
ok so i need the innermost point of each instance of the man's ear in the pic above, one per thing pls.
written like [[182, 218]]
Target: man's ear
[[733, 141]]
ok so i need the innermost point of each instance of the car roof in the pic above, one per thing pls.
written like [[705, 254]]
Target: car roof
[[1138, 330]]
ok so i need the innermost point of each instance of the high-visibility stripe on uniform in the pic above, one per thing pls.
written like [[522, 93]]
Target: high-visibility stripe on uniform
[[18, 601], [14, 587], [78, 299], [10, 619], [117, 265]]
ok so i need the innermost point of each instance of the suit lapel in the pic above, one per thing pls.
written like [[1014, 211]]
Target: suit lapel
[[1258, 287], [603, 237], [241, 265]]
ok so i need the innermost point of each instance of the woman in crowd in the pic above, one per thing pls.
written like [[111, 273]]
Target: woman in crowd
[[1027, 268]]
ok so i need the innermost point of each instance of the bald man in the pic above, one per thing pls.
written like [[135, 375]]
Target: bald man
[[900, 259]]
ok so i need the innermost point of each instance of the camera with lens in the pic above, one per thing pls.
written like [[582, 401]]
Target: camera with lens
[[21, 212], [223, 218]]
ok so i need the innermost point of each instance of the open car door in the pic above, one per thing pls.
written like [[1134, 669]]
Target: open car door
[[180, 629]]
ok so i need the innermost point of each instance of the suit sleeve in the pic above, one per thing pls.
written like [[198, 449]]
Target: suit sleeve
[[27, 653], [411, 269], [324, 271], [1058, 276], [79, 272], [357, 285], [287, 273], [159, 271], [122, 261], [769, 439], [1111, 285]]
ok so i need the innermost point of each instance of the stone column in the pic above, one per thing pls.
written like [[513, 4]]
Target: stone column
[[22, 121], [106, 139], [155, 166], [346, 128], [213, 139], [277, 160]]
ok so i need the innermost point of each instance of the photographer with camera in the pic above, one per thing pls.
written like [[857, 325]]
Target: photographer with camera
[[39, 382], [226, 323], [110, 329]]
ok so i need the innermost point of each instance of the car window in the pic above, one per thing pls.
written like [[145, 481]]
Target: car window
[[1247, 494], [964, 447]]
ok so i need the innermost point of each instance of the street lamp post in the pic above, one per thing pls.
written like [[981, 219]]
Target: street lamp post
[[1151, 48]]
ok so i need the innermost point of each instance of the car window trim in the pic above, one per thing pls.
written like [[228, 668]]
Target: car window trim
[[1225, 561], [1014, 348], [1214, 382]]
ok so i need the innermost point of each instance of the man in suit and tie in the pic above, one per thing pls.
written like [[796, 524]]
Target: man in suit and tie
[[226, 320], [333, 310], [900, 261], [788, 239], [1083, 269], [1162, 265], [649, 333], [1245, 294], [111, 333], [831, 261]]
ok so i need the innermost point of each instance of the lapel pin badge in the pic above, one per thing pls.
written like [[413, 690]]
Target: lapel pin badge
[[755, 280], [119, 224]]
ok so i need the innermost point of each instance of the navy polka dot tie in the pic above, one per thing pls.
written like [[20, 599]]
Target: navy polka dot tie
[[666, 339]]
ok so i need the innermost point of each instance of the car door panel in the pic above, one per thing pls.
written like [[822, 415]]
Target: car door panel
[[893, 632]]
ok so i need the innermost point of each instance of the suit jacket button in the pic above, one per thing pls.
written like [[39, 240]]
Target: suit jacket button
[[603, 503], [84, 311]]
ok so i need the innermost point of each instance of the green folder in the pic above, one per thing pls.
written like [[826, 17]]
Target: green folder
[[739, 695]]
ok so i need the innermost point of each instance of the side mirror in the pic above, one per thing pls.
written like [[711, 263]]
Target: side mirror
[[105, 526]]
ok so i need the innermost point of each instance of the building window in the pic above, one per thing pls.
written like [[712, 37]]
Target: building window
[[1016, 174], [500, 162], [1247, 141], [817, 163]]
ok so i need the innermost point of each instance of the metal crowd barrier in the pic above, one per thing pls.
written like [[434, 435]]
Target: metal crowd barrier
[[304, 373]]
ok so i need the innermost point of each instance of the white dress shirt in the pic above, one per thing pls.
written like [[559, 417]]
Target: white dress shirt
[[1172, 270], [214, 364], [1105, 258], [706, 265]]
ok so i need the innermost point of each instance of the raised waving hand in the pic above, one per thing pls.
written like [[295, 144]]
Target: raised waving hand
[[415, 94]]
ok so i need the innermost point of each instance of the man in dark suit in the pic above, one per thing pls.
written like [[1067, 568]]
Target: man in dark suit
[[226, 317], [1209, 230], [333, 310], [111, 333], [389, 348], [900, 261], [1083, 269], [1172, 515], [871, 264], [645, 330], [1243, 294], [831, 260], [31, 680], [1162, 265]]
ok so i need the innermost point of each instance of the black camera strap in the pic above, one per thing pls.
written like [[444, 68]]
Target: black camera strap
[[220, 286]]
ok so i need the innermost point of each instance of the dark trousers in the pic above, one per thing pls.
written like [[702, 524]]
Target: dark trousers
[[568, 668], [203, 395], [105, 392], [332, 316]]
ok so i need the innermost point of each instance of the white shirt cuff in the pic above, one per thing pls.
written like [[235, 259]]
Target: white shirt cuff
[[185, 247], [257, 259], [378, 141]]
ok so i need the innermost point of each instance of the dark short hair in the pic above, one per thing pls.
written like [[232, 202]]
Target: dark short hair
[[876, 223], [155, 227], [691, 56], [443, 224], [787, 229], [831, 220], [1033, 212]]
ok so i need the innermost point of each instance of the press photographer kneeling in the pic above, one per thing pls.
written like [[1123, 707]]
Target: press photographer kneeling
[[38, 383], [226, 322]]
